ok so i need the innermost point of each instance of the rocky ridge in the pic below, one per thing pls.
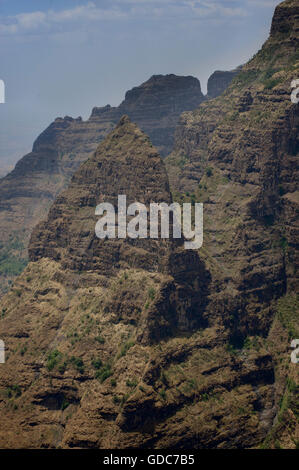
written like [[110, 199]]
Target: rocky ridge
[[110, 347], [219, 81], [238, 154], [28, 191]]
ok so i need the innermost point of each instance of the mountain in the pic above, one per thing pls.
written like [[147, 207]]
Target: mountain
[[28, 191], [219, 81], [91, 313], [141, 343], [238, 154], [156, 106]]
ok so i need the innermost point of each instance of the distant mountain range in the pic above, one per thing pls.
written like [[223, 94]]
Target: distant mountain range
[[27, 192]]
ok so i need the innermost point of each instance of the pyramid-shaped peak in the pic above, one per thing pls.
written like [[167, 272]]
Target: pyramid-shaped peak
[[125, 163]]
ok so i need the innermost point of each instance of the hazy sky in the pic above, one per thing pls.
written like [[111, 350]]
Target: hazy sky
[[62, 57]]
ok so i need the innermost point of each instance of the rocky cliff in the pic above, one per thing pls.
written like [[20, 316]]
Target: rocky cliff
[[156, 106], [104, 306], [27, 192], [219, 81], [140, 343], [238, 155]]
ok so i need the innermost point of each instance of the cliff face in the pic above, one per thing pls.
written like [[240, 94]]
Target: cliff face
[[156, 106], [27, 192], [219, 81], [144, 344], [238, 155], [103, 309]]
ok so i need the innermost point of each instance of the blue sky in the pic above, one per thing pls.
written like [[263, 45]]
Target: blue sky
[[62, 57]]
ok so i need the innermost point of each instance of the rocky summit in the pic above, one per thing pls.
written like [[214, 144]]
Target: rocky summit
[[219, 81], [141, 343], [156, 106]]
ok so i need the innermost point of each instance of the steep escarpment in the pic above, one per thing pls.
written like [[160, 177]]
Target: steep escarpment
[[219, 81], [140, 343], [156, 106], [27, 192], [238, 155], [98, 303], [116, 343]]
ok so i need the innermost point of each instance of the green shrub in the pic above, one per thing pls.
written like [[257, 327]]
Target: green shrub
[[62, 368], [182, 162], [54, 357], [14, 391], [104, 373], [97, 363], [23, 350], [209, 171], [125, 348], [64, 404], [131, 383], [100, 339], [151, 293], [113, 383], [78, 363]]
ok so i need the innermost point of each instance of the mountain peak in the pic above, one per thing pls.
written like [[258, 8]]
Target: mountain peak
[[285, 20], [125, 163]]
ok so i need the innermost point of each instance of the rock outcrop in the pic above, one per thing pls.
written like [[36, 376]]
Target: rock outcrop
[[156, 106], [219, 81]]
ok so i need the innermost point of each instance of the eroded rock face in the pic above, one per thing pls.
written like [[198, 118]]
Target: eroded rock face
[[237, 155], [118, 344], [127, 164], [27, 192], [156, 106], [219, 81], [125, 345], [142, 292]]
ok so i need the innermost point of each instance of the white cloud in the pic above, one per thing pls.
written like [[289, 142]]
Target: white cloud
[[264, 3], [30, 22], [93, 11]]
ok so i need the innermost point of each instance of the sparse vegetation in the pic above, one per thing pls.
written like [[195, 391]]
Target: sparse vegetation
[[125, 348], [54, 357], [78, 363], [151, 293], [104, 373], [14, 391]]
